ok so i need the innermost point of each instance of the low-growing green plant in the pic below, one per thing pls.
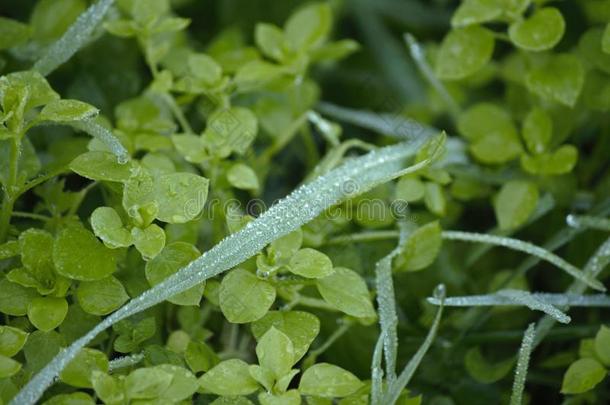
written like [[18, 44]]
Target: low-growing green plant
[[219, 202]]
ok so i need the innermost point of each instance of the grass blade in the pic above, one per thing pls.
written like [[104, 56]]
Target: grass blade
[[525, 351], [74, 38], [529, 248], [403, 379], [298, 208], [97, 131], [534, 303]]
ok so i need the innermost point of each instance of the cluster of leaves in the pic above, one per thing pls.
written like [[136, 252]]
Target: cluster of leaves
[[187, 128]]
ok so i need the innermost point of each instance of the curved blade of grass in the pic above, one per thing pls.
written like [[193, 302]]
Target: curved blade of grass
[[298, 208], [535, 303], [588, 221], [527, 345], [496, 299], [390, 124], [529, 248], [74, 38], [377, 371], [394, 389], [104, 135], [388, 320]]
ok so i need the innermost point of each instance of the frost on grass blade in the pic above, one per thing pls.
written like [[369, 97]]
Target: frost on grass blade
[[298, 208], [529, 248], [74, 38], [97, 131], [525, 351], [395, 388]]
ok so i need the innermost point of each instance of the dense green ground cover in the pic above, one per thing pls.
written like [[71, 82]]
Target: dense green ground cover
[[285, 202]]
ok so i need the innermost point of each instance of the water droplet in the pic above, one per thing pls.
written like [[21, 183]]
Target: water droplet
[[440, 291]]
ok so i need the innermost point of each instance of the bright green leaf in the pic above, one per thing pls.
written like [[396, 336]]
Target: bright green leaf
[[200, 357], [243, 177], [463, 52], [602, 344], [537, 130], [275, 352], [108, 226], [147, 383], [328, 381], [231, 377], [309, 26], [8, 366], [47, 313], [539, 32], [560, 79], [97, 165], [78, 372], [582, 376], [180, 196], [421, 248], [244, 297], [149, 241], [101, 297], [345, 290], [301, 327], [77, 254], [12, 33], [11, 340], [14, 299], [67, 110], [515, 203], [310, 263], [270, 39]]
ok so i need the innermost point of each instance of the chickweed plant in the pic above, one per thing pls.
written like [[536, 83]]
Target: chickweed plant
[[281, 203]]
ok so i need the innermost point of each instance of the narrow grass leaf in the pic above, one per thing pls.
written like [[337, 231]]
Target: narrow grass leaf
[[74, 38], [528, 248], [525, 351], [394, 390]]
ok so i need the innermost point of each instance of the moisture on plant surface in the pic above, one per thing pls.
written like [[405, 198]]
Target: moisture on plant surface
[[284, 202]]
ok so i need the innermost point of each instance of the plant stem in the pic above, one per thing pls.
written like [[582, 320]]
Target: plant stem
[[8, 201], [340, 331]]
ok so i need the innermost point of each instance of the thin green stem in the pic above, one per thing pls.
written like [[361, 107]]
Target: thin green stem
[[8, 201], [340, 331], [31, 215]]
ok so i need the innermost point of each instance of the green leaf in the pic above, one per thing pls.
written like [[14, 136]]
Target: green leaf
[[76, 398], [97, 165], [301, 327], [14, 299], [78, 372], [231, 377], [101, 297], [434, 199], [36, 248], [243, 177], [40, 348], [180, 196], [107, 388], [482, 370], [282, 249], [409, 189], [200, 357], [515, 203], [121, 28], [345, 290], [147, 383], [205, 69], [463, 52], [183, 385], [590, 46], [492, 133], [275, 352], [8, 367], [12, 33], [77, 254], [270, 40], [231, 400], [9, 249], [171, 259], [582, 376], [67, 110], [334, 51], [310, 263], [560, 79], [191, 147], [539, 32], [602, 344], [328, 381], [11, 340], [108, 226], [256, 74], [50, 18], [230, 130], [560, 161], [149, 241], [308, 27], [537, 130], [244, 297], [472, 12], [421, 248], [47, 313], [291, 397]]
